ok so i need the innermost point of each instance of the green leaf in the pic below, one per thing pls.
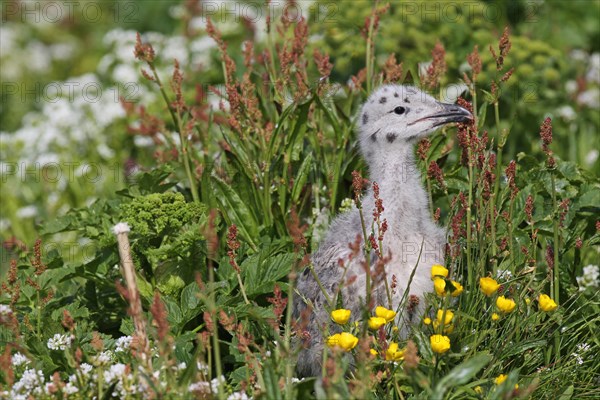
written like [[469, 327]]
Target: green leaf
[[569, 170], [567, 394], [523, 346], [422, 342], [302, 176], [461, 374], [174, 314], [189, 296], [590, 198], [260, 273], [57, 225], [236, 210]]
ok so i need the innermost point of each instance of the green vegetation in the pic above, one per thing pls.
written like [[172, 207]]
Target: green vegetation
[[229, 163]]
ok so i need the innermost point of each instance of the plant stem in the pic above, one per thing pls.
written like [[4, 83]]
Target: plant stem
[[215, 329], [470, 275], [430, 195], [494, 197], [289, 365], [316, 277], [367, 255], [556, 276], [242, 289], [370, 45], [176, 117]]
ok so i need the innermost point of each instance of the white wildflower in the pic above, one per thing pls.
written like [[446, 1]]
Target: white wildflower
[[504, 274], [31, 383], [59, 342], [590, 98], [238, 396], [85, 369], [216, 382], [19, 359], [583, 347], [123, 344], [202, 367], [143, 141], [589, 277], [346, 205], [200, 387], [593, 72], [5, 310], [571, 86], [115, 372], [70, 388], [591, 157], [567, 113], [103, 358], [27, 212], [578, 55]]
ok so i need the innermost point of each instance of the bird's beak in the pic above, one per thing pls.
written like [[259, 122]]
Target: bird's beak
[[447, 113]]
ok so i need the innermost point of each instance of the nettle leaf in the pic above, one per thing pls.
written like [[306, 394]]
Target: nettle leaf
[[590, 198], [77, 312], [570, 171], [174, 314], [235, 210], [260, 273], [190, 302], [57, 225], [154, 181], [422, 342], [253, 312]]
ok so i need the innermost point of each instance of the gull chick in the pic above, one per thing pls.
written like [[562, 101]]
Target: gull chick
[[390, 123]]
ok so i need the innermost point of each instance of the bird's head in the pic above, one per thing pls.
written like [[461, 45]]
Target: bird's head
[[399, 115]]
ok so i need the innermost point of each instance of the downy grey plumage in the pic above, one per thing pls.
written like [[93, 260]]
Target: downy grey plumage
[[390, 123]]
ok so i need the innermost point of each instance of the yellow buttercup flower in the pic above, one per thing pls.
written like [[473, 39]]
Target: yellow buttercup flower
[[495, 317], [439, 343], [488, 286], [546, 303], [458, 289], [347, 341], [333, 340], [505, 305], [447, 317], [440, 286], [383, 312], [393, 353], [438, 270], [376, 322], [500, 378], [373, 352], [341, 316], [427, 321]]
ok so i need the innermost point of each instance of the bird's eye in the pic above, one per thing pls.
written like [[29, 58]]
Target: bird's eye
[[399, 110]]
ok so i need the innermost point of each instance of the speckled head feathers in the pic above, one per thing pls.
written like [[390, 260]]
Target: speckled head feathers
[[398, 115]]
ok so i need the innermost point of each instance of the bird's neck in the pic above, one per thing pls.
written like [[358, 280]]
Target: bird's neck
[[400, 186]]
